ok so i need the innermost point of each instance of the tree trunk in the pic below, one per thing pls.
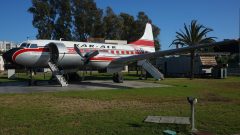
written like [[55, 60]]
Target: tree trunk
[[192, 64]]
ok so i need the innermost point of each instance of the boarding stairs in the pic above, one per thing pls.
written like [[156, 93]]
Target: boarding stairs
[[151, 69], [58, 74]]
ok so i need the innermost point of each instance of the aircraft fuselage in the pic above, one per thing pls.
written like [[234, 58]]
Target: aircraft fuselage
[[36, 53]]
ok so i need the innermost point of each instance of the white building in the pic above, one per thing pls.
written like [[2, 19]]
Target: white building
[[7, 45], [1, 64]]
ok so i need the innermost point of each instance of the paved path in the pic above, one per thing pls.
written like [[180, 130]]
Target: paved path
[[22, 87]]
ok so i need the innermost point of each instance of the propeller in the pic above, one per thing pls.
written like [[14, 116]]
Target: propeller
[[86, 58]]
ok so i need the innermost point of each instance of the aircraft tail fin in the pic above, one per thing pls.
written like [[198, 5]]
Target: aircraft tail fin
[[146, 41]]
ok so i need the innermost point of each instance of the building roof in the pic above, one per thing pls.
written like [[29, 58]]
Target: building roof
[[232, 48], [208, 60]]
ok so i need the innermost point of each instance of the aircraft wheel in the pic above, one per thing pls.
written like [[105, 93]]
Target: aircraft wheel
[[73, 77]]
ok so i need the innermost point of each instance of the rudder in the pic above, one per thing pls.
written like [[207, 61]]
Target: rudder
[[147, 40]]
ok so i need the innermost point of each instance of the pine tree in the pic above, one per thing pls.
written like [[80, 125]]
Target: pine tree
[[44, 15], [87, 19], [63, 23], [128, 22], [113, 25]]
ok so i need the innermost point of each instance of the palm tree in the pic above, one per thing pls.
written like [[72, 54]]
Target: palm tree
[[194, 34]]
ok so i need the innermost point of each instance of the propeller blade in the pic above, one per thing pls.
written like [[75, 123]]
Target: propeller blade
[[78, 50], [90, 55]]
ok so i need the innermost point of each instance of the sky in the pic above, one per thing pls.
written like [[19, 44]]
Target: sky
[[222, 16]]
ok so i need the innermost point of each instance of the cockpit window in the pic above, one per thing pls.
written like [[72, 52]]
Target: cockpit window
[[33, 46], [24, 45]]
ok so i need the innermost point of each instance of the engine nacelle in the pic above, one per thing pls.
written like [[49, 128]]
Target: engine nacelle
[[60, 56], [57, 52]]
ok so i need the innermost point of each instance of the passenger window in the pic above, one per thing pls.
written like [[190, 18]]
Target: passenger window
[[33, 46]]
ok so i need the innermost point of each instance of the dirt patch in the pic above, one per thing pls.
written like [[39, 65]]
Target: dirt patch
[[70, 105], [211, 97]]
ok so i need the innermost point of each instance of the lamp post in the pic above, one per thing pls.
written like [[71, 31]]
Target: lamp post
[[239, 40], [192, 101]]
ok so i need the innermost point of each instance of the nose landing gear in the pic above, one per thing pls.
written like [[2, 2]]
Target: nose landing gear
[[31, 81]]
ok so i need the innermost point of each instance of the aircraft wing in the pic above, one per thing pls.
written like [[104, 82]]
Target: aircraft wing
[[117, 64]]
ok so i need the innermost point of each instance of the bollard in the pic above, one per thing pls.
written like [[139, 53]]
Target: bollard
[[192, 102]]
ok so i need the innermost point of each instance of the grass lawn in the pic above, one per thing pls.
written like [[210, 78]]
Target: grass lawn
[[123, 111], [23, 77]]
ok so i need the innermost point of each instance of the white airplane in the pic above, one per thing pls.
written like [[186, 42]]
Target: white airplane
[[71, 56]]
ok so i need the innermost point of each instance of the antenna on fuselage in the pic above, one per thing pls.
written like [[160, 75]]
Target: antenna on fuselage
[[27, 38]]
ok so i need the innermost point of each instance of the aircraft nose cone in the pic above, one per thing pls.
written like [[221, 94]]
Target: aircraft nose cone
[[7, 56]]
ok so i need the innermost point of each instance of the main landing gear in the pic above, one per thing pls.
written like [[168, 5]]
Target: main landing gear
[[73, 77], [31, 80], [117, 77], [70, 77]]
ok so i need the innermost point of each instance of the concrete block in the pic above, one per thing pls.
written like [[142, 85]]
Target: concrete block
[[11, 74]]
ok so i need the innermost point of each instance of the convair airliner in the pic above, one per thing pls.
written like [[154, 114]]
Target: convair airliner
[[71, 55]]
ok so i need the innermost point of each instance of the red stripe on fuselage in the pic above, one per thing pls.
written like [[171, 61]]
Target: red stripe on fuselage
[[102, 59], [28, 50], [82, 50]]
